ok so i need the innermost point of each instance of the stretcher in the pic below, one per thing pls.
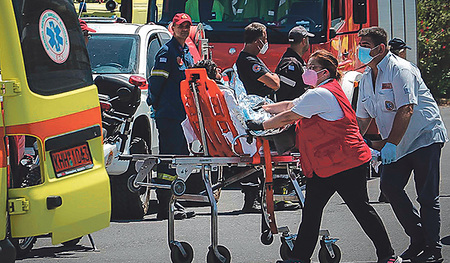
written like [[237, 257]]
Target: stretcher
[[223, 143]]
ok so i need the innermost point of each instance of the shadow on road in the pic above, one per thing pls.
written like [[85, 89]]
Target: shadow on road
[[57, 252], [446, 240]]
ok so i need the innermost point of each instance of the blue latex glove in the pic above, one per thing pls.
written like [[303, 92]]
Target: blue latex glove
[[388, 153]]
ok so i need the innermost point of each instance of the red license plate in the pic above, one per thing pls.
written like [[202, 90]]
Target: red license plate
[[72, 160]]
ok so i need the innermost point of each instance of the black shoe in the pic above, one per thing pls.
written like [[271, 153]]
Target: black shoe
[[286, 205], [429, 256], [412, 251], [253, 208], [179, 207], [382, 198]]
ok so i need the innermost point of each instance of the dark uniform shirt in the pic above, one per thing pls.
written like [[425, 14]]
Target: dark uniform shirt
[[250, 69], [164, 82], [290, 70]]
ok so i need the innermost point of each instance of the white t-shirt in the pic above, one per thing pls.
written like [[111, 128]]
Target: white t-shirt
[[318, 101]]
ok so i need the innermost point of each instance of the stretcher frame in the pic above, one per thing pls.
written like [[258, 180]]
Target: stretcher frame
[[185, 165]]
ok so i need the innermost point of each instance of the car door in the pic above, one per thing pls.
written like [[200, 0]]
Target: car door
[[51, 105]]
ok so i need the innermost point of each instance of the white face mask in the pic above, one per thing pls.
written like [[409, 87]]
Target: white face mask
[[264, 48]]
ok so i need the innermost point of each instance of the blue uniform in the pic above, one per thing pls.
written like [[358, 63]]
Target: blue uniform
[[164, 82], [165, 97]]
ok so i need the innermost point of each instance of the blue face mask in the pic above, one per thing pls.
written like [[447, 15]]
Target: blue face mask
[[364, 54]]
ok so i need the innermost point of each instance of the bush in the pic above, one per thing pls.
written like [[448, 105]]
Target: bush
[[433, 41]]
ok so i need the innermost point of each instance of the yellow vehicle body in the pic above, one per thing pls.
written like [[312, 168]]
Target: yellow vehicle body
[[62, 115]]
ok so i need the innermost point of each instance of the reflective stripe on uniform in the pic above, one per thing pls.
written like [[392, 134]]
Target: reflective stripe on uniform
[[167, 177], [161, 73], [287, 81]]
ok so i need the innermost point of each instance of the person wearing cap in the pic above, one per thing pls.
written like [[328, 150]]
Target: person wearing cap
[[392, 92], [164, 96], [290, 70], [291, 66], [85, 30], [257, 80], [398, 47]]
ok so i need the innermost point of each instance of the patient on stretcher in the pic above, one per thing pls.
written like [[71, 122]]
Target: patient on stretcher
[[224, 115]]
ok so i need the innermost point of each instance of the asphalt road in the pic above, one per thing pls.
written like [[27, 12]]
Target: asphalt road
[[146, 240]]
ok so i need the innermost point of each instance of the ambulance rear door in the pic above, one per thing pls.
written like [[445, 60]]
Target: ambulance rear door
[[50, 102]]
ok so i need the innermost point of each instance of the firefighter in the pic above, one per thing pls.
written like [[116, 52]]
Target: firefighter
[[165, 98]]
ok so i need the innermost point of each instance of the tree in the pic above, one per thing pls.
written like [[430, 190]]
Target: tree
[[433, 41]]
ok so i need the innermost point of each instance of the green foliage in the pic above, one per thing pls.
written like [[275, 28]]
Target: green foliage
[[433, 30]]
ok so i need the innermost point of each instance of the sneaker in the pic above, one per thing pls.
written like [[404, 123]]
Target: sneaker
[[413, 251], [429, 256], [286, 205], [391, 259]]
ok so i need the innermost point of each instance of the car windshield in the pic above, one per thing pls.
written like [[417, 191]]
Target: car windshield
[[113, 53]]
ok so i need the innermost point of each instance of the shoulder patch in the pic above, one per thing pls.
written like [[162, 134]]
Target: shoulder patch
[[256, 68], [162, 60]]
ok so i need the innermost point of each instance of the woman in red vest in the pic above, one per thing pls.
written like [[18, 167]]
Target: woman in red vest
[[334, 156]]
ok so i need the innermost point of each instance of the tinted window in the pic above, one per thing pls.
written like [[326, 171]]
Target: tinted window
[[113, 53], [153, 47], [53, 47]]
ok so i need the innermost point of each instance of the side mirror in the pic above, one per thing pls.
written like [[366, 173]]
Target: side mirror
[[124, 93], [360, 11]]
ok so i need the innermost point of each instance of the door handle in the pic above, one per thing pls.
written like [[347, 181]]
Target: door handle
[[53, 202]]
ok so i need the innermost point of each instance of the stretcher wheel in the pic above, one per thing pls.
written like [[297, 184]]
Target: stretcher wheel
[[285, 251], [178, 187], [211, 257], [266, 237], [131, 185], [177, 257], [324, 255]]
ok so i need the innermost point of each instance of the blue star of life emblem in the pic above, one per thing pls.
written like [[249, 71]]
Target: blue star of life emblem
[[54, 31]]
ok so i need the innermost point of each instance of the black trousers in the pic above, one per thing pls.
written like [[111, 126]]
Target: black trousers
[[351, 185]]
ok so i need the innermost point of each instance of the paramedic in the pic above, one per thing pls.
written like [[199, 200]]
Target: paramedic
[[165, 98], [258, 80], [334, 156], [393, 93], [253, 73], [398, 47]]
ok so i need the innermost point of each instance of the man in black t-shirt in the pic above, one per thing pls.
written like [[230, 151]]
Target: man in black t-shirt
[[257, 80], [253, 73], [291, 66]]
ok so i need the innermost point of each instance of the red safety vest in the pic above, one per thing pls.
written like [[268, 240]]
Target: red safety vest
[[330, 147]]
